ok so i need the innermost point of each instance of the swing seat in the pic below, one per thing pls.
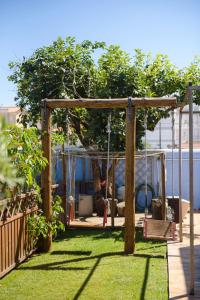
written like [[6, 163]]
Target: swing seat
[[159, 229]]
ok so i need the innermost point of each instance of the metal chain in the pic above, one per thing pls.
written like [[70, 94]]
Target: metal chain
[[146, 164]]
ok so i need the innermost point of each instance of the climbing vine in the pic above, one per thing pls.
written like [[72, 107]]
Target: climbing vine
[[38, 226], [23, 155]]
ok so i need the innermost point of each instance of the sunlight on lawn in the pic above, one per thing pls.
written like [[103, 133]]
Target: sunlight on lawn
[[87, 264]]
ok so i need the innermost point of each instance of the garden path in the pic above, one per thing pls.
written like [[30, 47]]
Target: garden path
[[178, 262]]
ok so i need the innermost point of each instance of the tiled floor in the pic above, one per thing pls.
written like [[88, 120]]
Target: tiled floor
[[179, 262], [96, 221]]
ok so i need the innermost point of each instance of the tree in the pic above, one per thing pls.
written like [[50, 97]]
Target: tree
[[69, 69]]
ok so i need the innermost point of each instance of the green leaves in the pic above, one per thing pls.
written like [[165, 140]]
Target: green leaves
[[25, 152], [67, 69], [38, 226], [8, 171]]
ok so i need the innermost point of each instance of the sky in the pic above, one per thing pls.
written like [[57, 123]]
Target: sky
[[159, 26]]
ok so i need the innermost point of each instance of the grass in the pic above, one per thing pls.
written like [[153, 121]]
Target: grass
[[90, 264]]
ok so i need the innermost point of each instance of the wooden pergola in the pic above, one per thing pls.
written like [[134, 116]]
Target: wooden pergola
[[130, 104]]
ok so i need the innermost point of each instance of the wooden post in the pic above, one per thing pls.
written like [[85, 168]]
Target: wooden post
[[130, 149], [191, 192], [180, 178], [73, 183], [129, 246], [163, 174], [46, 174], [113, 195], [64, 184]]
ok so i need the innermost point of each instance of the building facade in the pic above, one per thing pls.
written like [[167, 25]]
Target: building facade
[[11, 114]]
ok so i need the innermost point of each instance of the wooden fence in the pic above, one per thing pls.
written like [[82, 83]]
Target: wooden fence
[[15, 241]]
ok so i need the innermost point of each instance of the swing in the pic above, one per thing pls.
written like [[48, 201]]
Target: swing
[[156, 229], [70, 199], [106, 202]]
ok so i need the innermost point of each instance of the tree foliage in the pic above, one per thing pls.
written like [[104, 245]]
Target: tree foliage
[[67, 69], [25, 151], [8, 172], [21, 161]]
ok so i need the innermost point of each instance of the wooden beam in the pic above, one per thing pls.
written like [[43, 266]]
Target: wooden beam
[[191, 193], [46, 174], [163, 179], [180, 178], [111, 103], [114, 155], [129, 246], [113, 195]]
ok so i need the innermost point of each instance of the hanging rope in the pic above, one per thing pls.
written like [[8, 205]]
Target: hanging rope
[[106, 202], [69, 157], [158, 177], [70, 198], [146, 164], [173, 134], [108, 152]]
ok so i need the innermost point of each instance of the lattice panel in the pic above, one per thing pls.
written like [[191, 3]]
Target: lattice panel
[[140, 172], [17, 204]]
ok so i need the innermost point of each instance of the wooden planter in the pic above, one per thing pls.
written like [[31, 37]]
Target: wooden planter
[[121, 209], [173, 202], [157, 209]]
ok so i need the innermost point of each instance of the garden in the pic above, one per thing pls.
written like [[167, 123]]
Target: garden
[[90, 264], [40, 253]]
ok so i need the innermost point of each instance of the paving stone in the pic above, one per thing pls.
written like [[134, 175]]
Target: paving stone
[[179, 263]]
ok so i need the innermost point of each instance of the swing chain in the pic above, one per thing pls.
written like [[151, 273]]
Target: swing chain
[[108, 152], [146, 164], [109, 124]]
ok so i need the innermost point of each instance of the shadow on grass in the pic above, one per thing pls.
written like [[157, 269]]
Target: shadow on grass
[[96, 235], [152, 247], [65, 252], [59, 266], [116, 235], [80, 290], [49, 266], [145, 280]]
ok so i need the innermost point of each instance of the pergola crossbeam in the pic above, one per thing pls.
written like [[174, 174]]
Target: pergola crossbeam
[[111, 103]]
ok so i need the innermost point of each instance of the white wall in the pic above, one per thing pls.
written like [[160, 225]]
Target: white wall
[[161, 137], [185, 175]]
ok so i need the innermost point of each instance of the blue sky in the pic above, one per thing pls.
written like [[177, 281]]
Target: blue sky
[[166, 26]]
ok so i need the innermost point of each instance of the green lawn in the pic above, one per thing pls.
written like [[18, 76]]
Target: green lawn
[[90, 264]]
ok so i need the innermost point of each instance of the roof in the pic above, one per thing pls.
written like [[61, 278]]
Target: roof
[[10, 109]]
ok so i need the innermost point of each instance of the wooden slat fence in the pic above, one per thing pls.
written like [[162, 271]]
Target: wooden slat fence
[[15, 241]]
